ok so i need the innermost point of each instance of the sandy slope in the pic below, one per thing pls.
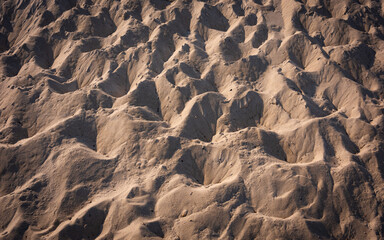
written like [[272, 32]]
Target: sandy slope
[[191, 119]]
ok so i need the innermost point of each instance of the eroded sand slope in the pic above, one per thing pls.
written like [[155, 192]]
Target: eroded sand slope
[[191, 119]]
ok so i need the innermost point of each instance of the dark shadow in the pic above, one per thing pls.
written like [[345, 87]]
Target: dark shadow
[[213, 18], [133, 9], [155, 227], [187, 166], [46, 18], [160, 4], [88, 227], [317, 228], [273, 146], [11, 65], [4, 44], [237, 9]]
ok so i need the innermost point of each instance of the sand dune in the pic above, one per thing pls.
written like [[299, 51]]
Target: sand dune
[[187, 119]]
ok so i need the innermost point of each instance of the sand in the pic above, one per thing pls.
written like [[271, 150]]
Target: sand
[[186, 119]]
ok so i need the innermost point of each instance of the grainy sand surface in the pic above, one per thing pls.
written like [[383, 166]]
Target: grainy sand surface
[[186, 119]]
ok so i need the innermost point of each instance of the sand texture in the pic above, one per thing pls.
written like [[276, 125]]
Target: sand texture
[[187, 119]]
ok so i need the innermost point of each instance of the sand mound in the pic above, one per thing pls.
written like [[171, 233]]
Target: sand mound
[[227, 119]]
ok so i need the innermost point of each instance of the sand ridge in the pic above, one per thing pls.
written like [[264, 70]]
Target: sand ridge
[[187, 119]]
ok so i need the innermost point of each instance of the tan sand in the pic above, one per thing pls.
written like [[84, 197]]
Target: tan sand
[[186, 119]]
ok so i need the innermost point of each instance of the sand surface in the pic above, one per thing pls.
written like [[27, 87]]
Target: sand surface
[[186, 119]]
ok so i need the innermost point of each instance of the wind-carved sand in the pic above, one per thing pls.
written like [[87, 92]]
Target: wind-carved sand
[[191, 119]]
